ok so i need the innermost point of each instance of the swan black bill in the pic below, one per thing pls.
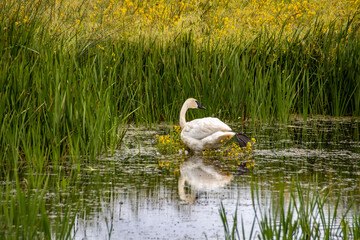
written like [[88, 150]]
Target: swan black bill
[[200, 106]]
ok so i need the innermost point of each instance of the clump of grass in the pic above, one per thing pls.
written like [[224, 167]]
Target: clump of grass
[[50, 123], [307, 214], [24, 213]]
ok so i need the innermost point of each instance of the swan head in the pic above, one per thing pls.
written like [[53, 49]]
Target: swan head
[[193, 103], [189, 103]]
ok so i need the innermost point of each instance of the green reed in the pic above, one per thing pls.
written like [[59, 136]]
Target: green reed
[[300, 213], [58, 110], [267, 78], [22, 209]]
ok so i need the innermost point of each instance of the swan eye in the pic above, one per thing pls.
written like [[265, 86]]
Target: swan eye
[[199, 105]]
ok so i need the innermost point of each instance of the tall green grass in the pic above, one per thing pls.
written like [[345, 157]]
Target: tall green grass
[[23, 214], [54, 104], [266, 79], [58, 110]]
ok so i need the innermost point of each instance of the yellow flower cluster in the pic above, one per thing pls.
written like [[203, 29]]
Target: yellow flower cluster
[[164, 19], [233, 153], [171, 143]]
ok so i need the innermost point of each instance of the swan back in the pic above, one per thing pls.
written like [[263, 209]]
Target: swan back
[[204, 127]]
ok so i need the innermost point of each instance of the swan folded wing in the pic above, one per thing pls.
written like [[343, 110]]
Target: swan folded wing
[[204, 127], [217, 139]]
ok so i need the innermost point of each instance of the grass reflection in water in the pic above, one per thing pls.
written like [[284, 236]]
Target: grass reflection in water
[[183, 200]]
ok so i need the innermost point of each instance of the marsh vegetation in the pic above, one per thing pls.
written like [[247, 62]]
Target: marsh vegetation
[[75, 74]]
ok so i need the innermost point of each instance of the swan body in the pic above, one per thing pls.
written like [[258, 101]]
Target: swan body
[[202, 133]]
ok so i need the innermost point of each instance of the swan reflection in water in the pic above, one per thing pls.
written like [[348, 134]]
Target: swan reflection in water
[[202, 175]]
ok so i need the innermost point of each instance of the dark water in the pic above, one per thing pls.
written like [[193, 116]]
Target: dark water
[[127, 196]]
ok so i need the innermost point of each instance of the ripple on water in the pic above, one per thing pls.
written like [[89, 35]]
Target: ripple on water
[[129, 194]]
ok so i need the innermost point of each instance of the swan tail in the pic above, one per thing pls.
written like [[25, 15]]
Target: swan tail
[[242, 139]]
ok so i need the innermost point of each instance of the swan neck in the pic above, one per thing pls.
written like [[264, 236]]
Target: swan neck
[[183, 115]]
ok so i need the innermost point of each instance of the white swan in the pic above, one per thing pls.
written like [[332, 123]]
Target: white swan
[[203, 133]]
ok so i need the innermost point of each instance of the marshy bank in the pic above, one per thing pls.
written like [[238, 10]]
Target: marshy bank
[[135, 194], [67, 98]]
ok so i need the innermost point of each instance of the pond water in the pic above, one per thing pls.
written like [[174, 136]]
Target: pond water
[[127, 196]]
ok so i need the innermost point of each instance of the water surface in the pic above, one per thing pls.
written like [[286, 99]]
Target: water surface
[[127, 196]]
